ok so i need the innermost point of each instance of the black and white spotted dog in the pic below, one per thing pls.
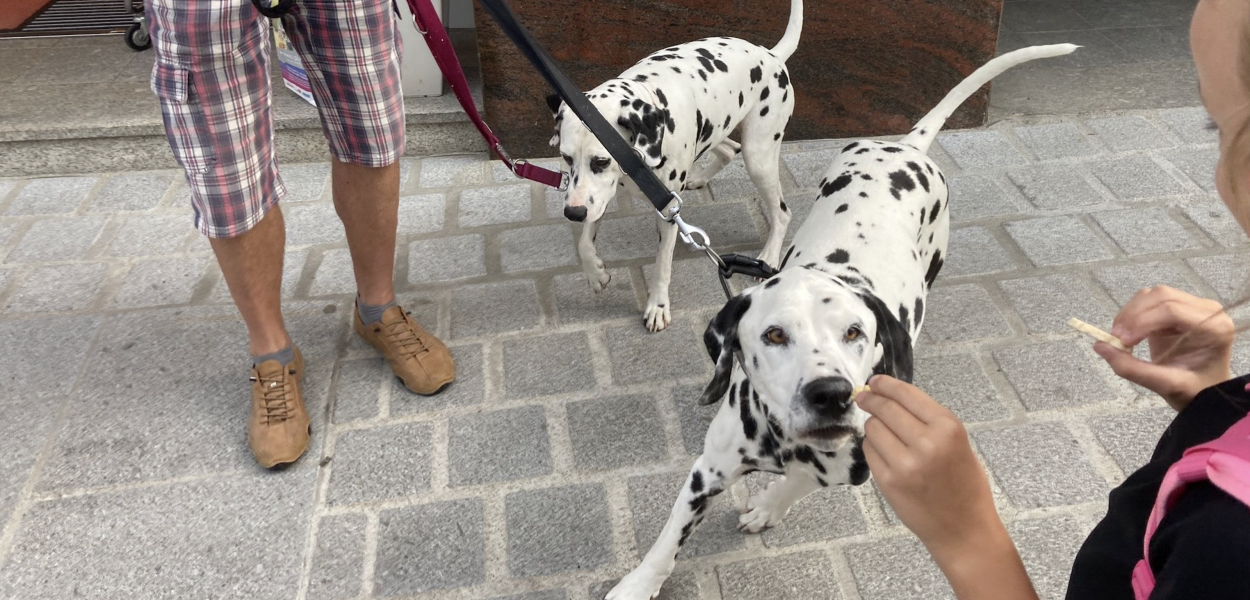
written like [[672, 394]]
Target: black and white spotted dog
[[847, 304], [674, 106]]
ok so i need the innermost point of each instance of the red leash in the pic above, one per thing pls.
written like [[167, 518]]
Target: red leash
[[430, 26]]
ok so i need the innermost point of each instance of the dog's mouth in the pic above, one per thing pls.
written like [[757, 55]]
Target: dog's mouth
[[829, 437]]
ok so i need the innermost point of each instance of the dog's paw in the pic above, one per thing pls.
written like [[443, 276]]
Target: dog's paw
[[598, 278], [657, 316], [635, 587], [696, 182], [762, 512]]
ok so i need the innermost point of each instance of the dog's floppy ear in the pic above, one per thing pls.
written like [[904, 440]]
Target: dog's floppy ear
[[721, 339], [646, 131], [893, 340], [554, 102]]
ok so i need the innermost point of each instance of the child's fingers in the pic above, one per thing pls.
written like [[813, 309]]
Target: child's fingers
[[920, 404], [900, 421]]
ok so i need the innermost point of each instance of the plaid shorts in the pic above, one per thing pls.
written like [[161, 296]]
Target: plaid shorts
[[212, 78]]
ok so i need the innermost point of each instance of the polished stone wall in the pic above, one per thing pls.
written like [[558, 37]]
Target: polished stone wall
[[862, 68]]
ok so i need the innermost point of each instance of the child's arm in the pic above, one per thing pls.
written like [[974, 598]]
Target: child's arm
[[919, 454]]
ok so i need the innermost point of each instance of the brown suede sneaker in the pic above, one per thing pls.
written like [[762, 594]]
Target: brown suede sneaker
[[278, 429], [419, 359]]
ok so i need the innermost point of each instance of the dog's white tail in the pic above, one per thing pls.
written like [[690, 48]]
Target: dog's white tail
[[922, 136], [790, 41]]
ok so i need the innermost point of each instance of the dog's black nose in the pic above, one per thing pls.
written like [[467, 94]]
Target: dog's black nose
[[575, 213], [828, 393]]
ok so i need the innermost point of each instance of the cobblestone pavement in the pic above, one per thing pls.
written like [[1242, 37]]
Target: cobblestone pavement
[[550, 465]]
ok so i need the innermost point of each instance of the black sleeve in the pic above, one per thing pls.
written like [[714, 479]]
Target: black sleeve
[[1202, 548]]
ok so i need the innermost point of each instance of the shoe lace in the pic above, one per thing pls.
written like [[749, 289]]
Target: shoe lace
[[273, 397], [404, 338]]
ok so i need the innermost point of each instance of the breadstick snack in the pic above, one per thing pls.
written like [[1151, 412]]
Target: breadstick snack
[[1097, 333], [859, 390]]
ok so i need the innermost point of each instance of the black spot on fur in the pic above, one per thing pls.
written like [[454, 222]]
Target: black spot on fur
[[728, 118], [756, 75], [935, 265], [721, 66], [863, 194], [749, 426], [784, 208], [805, 454], [696, 482], [919, 314], [851, 146], [764, 111], [659, 94], [676, 70], [937, 207], [863, 151], [741, 98], [772, 282], [839, 257], [764, 93], [902, 316], [892, 149], [841, 209], [835, 186], [673, 175], [859, 465], [900, 181], [776, 136], [783, 80]]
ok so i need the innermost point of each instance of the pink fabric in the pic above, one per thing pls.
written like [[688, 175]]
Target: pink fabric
[[1224, 462]]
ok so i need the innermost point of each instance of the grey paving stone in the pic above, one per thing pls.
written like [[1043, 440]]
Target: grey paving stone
[[57, 239], [165, 397], [961, 313], [727, 224], [150, 235], [693, 285], [1124, 281], [430, 547], [544, 595], [1190, 124], [975, 150], [695, 418], [532, 248], [959, 383], [1046, 303], [628, 237], [615, 432], [1054, 375], [680, 586], [1136, 178], [1131, 437], [447, 259], [23, 431], [1197, 165], [577, 303], [1145, 231], [1129, 133], [356, 389], [1054, 241], [642, 357], [732, 183], [974, 251], [58, 288], [651, 500], [422, 214], [803, 576], [896, 568], [978, 197], [381, 463], [313, 224], [339, 559], [499, 446], [292, 270], [6, 233], [468, 389], [1056, 140], [335, 275], [495, 205], [51, 195], [48, 369], [304, 183], [1229, 276], [1040, 465], [808, 168], [558, 529], [1213, 217], [6, 186], [494, 308], [133, 191], [161, 281], [1048, 548], [548, 365], [1054, 187], [166, 542], [826, 514], [448, 171]]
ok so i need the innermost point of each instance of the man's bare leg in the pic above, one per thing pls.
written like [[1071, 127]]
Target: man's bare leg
[[252, 266], [367, 201]]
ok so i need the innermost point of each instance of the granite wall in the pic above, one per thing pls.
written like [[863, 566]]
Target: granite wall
[[862, 68]]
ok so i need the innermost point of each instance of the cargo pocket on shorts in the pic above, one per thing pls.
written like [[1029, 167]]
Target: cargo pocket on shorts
[[185, 124]]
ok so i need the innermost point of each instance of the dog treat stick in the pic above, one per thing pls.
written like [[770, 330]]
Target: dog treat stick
[[1097, 333], [859, 390]]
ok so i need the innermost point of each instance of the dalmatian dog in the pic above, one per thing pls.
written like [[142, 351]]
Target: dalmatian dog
[[674, 107], [847, 303]]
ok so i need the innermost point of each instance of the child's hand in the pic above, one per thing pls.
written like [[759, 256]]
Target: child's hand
[[918, 451], [1191, 342]]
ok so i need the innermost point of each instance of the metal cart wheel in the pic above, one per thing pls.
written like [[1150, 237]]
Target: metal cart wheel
[[137, 37]]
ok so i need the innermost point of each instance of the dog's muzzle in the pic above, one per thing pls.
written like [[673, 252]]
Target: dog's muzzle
[[575, 213], [829, 401]]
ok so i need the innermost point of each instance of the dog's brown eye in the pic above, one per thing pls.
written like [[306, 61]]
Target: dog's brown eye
[[600, 164], [776, 336], [853, 334]]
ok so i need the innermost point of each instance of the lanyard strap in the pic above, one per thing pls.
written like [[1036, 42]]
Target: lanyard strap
[[431, 26]]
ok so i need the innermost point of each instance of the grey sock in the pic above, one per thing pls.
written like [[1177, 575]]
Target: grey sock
[[370, 314], [284, 356]]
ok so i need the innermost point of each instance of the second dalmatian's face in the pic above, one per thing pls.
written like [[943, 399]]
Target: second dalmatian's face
[[806, 340], [594, 176]]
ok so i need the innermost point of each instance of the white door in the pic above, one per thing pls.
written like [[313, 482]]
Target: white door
[[419, 72]]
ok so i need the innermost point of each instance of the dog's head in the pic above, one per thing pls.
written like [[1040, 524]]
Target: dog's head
[[806, 340], [594, 175]]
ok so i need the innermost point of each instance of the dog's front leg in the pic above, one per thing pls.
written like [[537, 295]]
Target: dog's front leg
[[596, 275], [659, 313], [710, 476], [721, 155]]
